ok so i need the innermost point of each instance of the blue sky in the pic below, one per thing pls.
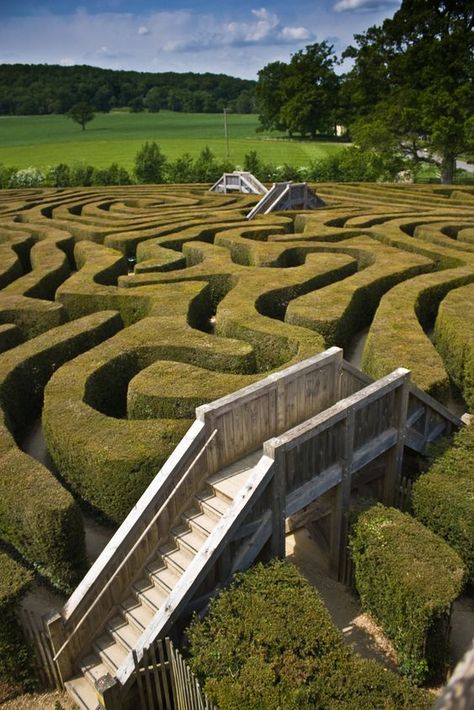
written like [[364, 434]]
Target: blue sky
[[236, 38]]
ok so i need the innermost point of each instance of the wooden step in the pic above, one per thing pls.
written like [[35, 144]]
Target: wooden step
[[229, 481], [137, 613], [176, 557], [191, 539], [112, 654], [150, 594], [196, 519], [92, 668], [210, 504], [162, 575], [123, 632], [82, 693]]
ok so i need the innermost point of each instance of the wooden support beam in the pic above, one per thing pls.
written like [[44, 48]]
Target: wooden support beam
[[393, 468], [340, 515], [278, 494]]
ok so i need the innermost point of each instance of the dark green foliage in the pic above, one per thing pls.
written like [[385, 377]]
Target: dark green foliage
[[16, 663], [443, 498], [150, 164], [113, 175], [81, 113], [407, 578], [356, 165], [268, 642], [38, 89]]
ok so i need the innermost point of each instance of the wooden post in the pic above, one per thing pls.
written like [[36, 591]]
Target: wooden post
[[108, 693], [57, 636], [278, 496], [393, 468], [337, 387], [341, 501]]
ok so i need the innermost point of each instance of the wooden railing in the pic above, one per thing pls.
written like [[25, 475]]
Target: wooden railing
[[131, 546], [250, 416]]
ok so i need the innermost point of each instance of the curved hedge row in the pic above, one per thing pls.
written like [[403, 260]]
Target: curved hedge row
[[443, 498], [16, 662], [454, 339], [37, 515], [268, 642], [407, 578]]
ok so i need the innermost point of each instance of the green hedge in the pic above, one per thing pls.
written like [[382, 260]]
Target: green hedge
[[407, 578], [343, 308], [31, 315], [16, 662], [396, 337], [443, 498], [268, 642], [454, 338], [37, 515]]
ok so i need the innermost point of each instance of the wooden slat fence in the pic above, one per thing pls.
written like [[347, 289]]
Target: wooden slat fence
[[166, 682], [38, 638]]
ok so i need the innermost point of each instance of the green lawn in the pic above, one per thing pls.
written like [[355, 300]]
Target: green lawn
[[115, 137]]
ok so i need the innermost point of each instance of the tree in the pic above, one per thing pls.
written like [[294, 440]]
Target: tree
[[411, 85], [81, 113], [150, 164], [300, 97], [152, 100]]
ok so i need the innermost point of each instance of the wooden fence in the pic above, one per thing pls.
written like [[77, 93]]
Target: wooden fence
[[166, 682], [38, 639]]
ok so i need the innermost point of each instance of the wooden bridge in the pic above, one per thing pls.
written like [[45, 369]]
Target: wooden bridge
[[251, 460]]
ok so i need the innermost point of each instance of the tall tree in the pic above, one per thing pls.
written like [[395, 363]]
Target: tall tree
[[81, 113], [411, 87], [300, 97]]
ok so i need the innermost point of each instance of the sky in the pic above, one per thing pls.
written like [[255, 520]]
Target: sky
[[236, 37]]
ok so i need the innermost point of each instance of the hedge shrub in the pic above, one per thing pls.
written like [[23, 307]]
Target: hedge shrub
[[37, 515], [407, 578], [454, 339], [268, 642], [443, 498], [16, 663], [396, 337]]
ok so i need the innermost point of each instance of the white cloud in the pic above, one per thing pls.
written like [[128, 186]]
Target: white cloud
[[295, 33], [364, 5], [143, 30]]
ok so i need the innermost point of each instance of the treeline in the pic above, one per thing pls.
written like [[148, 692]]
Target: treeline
[[37, 89]]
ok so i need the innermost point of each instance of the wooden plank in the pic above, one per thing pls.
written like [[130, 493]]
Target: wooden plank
[[316, 487], [278, 494], [140, 681], [374, 448], [165, 680], [393, 468], [252, 547], [337, 412], [415, 441], [435, 405], [415, 417], [437, 432], [156, 680], [170, 654], [340, 515]]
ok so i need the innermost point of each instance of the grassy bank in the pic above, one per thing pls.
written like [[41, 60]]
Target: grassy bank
[[116, 137]]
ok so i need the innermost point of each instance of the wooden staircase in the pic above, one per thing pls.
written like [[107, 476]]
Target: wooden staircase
[[147, 594], [250, 460]]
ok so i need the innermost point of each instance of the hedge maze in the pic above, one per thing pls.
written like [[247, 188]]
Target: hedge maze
[[124, 308]]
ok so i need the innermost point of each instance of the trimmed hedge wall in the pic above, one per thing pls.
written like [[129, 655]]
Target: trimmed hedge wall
[[37, 515], [396, 337], [407, 578], [343, 308], [443, 498], [454, 339], [268, 642], [16, 663]]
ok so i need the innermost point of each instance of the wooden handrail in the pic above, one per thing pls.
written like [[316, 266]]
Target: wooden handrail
[[132, 550]]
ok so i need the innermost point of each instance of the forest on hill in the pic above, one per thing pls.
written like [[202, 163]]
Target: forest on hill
[[38, 89]]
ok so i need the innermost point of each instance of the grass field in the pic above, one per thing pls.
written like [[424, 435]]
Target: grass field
[[116, 137]]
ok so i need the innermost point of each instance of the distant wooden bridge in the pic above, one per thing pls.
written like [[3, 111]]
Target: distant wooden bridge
[[251, 460]]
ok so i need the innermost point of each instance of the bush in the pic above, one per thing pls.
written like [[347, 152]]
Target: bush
[[16, 662], [82, 175], [6, 175], [27, 177], [443, 498], [268, 642], [407, 578], [150, 164], [356, 165], [59, 176], [113, 175]]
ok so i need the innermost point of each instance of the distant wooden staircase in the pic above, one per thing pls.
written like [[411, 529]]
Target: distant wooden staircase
[[250, 460]]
